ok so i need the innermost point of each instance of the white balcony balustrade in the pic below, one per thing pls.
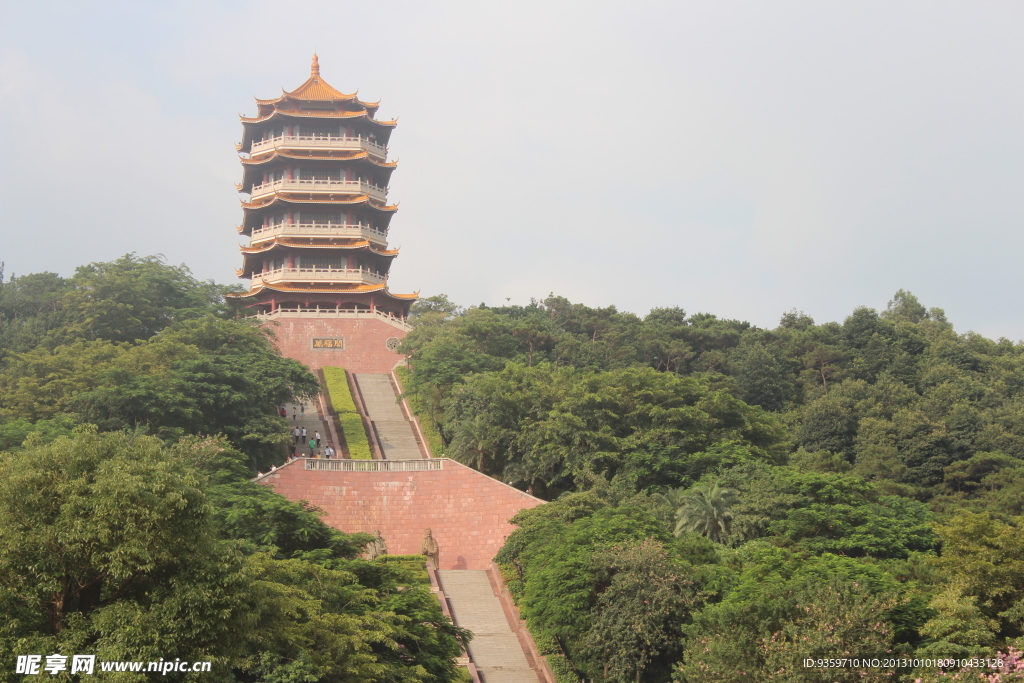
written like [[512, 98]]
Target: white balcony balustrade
[[320, 230], [360, 313], [319, 186], [319, 142], [313, 274]]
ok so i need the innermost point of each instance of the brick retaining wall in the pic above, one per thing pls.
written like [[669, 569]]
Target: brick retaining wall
[[467, 511], [365, 347]]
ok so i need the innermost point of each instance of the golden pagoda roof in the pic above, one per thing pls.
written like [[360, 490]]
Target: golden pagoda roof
[[279, 197], [316, 89], [343, 288], [317, 114], [274, 242], [407, 297], [359, 289], [350, 156]]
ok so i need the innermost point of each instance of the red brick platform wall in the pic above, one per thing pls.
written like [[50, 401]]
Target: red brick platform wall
[[365, 342], [467, 511]]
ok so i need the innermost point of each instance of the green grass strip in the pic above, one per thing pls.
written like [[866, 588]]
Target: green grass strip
[[351, 423]]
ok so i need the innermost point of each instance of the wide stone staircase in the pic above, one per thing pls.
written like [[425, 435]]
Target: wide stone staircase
[[394, 431], [496, 650], [306, 415]]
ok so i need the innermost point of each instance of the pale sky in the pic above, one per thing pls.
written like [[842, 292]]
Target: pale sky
[[739, 158]]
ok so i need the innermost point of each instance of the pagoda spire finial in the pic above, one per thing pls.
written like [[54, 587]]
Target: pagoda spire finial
[[314, 70]]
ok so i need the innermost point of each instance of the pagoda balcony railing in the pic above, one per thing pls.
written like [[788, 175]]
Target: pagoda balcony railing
[[316, 185], [362, 313], [318, 142], [313, 274], [345, 465], [320, 230]]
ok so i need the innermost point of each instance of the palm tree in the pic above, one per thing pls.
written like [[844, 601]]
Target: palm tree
[[667, 502], [705, 510]]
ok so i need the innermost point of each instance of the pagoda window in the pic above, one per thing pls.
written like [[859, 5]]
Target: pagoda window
[[321, 217], [321, 261], [271, 133], [275, 175], [276, 219], [277, 263], [315, 131], [320, 174]]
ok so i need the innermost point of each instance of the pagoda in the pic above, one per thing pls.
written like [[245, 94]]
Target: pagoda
[[316, 173]]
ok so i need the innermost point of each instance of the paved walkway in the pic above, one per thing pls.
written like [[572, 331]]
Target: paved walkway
[[396, 434], [495, 649], [312, 422]]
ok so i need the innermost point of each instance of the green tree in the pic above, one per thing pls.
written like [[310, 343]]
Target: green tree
[[829, 425], [762, 378], [553, 429], [109, 544], [638, 618], [203, 376], [983, 563], [785, 608], [136, 297], [563, 552], [92, 533], [706, 510]]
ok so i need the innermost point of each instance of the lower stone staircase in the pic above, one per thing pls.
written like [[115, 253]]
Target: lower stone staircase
[[495, 650]]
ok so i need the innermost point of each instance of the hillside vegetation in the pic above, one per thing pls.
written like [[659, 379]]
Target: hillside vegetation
[[134, 412], [729, 501]]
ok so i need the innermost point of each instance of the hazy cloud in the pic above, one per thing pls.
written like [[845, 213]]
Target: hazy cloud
[[741, 158]]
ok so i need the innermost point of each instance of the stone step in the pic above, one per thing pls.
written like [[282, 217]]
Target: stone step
[[379, 397], [310, 419], [396, 434], [495, 648], [508, 676]]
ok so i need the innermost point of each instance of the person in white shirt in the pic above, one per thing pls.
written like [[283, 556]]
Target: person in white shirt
[[328, 452]]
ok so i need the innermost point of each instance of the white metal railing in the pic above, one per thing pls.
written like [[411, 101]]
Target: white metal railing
[[375, 465], [336, 274], [316, 185], [325, 229], [319, 142], [362, 313]]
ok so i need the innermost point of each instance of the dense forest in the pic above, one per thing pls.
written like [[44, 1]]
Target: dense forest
[[134, 411], [728, 501]]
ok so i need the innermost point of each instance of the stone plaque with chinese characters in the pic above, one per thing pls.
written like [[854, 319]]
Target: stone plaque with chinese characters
[[336, 343]]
